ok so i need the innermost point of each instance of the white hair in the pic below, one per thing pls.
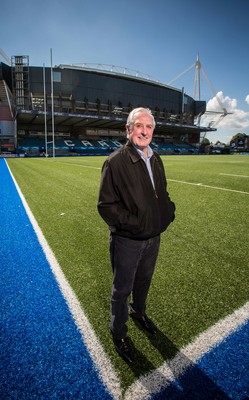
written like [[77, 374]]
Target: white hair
[[139, 110]]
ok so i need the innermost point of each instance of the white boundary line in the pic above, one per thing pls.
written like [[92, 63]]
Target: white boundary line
[[207, 186], [174, 180], [160, 378], [170, 370], [237, 176], [106, 370], [79, 165]]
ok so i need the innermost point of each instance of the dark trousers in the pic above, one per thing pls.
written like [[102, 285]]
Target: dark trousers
[[133, 263]]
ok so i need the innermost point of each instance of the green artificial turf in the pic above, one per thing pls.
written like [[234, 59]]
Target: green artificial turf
[[202, 269]]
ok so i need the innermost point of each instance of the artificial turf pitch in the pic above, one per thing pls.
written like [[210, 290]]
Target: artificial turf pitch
[[202, 269]]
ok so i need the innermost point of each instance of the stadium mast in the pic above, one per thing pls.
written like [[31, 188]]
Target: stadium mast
[[197, 89], [4, 55]]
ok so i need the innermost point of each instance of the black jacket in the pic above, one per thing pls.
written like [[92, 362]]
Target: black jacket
[[128, 203]]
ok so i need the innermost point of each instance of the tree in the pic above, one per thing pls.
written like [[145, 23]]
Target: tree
[[238, 135], [205, 142]]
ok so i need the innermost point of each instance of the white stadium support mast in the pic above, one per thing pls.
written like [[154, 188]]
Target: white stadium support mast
[[4, 55], [197, 89]]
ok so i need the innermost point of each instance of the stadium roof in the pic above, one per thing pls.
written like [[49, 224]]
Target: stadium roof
[[116, 71]]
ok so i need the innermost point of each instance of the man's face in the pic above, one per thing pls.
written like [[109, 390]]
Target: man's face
[[142, 132]]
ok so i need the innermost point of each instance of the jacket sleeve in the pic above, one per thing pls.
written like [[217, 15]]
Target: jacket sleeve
[[110, 205]]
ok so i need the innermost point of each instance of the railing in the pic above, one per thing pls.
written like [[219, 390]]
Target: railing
[[69, 105]]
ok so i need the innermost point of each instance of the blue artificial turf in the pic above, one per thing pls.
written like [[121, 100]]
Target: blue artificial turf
[[221, 374], [42, 352]]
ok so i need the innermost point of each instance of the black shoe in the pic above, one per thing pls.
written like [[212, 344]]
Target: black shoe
[[145, 323], [123, 348]]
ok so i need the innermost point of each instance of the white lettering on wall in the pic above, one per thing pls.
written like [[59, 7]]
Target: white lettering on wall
[[69, 143], [86, 143], [103, 143], [117, 143]]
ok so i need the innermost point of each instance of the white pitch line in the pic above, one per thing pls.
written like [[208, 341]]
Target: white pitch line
[[172, 180], [207, 186], [237, 176], [78, 165], [163, 376], [100, 359]]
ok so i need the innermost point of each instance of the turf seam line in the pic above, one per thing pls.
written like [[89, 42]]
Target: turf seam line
[[102, 362], [170, 370]]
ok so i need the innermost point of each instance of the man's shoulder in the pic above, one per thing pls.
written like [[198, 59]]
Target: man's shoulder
[[157, 156], [116, 153], [123, 151]]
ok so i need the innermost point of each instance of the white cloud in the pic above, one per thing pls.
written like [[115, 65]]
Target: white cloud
[[236, 120]]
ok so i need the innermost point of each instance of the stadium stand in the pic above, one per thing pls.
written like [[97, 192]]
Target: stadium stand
[[87, 112], [36, 147]]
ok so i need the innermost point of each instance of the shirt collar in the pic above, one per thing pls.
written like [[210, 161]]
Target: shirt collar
[[140, 152]]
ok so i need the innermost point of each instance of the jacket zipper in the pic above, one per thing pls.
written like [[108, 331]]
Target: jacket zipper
[[152, 167]]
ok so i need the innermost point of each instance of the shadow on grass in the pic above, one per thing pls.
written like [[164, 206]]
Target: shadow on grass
[[179, 378]]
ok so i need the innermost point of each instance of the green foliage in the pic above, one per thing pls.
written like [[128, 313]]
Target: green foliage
[[202, 269], [205, 142], [238, 135]]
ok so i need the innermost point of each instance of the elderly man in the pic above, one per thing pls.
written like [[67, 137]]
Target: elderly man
[[134, 202]]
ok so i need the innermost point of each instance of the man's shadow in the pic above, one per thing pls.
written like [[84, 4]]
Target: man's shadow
[[183, 379]]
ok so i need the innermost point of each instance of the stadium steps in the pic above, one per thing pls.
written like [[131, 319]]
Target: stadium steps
[[3, 93]]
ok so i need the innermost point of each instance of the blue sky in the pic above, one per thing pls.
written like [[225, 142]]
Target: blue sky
[[159, 38]]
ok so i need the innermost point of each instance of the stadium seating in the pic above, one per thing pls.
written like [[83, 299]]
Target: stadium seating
[[33, 147]]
